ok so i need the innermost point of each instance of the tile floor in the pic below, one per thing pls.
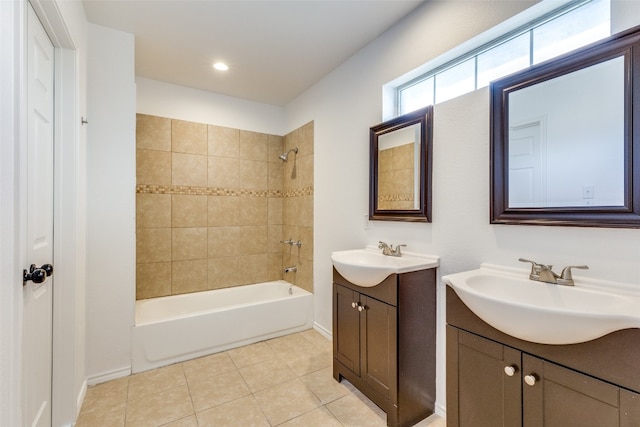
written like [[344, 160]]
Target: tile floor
[[285, 381]]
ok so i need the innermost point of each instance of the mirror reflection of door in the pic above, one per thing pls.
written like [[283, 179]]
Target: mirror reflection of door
[[527, 167]]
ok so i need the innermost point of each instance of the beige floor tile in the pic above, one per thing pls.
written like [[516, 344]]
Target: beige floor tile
[[210, 366], [286, 401], [352, 412], [267, 374], [243, 412], [324, 386], [160, 408], [319, 417], [112, 418], [290, 345], [311, 361], [251, 354], [317, 339], [208, 391], [106, 396], [156, 380], [190, 421]]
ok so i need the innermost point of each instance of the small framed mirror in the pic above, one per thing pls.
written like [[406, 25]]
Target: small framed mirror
[[565, 139], [400, 168]]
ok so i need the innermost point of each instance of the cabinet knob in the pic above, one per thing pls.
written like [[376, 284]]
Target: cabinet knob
[[360, 307], [530, 379], [354, 304], [510, 370]]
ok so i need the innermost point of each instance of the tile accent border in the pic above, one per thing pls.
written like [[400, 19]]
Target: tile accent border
[[213, 191]]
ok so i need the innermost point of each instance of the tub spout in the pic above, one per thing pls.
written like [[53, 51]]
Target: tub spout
[[291, 269]]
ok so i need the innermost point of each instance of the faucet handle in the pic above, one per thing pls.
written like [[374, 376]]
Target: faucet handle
[[535, 267], [381, 244], [566, 272], [397, 251]]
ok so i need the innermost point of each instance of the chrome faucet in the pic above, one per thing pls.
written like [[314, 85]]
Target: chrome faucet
[[388, 249], [544, 273]]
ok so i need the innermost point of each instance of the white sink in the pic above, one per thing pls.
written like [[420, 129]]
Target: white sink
[[368, 267], [546, 313]]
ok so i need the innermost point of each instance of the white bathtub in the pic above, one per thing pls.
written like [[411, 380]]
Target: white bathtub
[[181, 327]]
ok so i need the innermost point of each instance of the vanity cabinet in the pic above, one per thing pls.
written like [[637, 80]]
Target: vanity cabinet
[[384, 342], [491, 382]]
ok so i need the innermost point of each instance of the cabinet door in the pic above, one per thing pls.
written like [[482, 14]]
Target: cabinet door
[[554, 396], [346, 327], [379, 346], [480, 392]]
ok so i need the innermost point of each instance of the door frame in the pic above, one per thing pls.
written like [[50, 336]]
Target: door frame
[[69, 222]]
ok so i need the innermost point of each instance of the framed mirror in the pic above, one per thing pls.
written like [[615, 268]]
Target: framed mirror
[[565, 139], [400, 168]]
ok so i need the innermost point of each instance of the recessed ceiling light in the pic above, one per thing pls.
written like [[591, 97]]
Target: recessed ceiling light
[[220, 66]]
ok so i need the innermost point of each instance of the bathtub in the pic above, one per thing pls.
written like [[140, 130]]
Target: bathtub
[[181, 327]]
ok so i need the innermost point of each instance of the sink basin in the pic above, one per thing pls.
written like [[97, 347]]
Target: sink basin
[[368, 267], [546, 313]]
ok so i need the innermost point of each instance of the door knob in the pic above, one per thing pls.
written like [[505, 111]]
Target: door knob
[[510, 370], [37, 274], [530, 379]]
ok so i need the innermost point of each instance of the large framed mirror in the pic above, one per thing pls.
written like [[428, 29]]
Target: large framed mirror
[[565, 139], [400, 168]]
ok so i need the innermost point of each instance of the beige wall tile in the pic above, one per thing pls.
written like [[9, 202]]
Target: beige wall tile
[[403, 156], [275, 176], [253, 240], [223, 141], [188, 243], [306, 211], [188, 137], [189, 169], [291, 140], [153, 210], [223, 211], [223, 241], [253, 175], [306, 236], [253, 210], [253, 268], [223, 272], [153, 280], [153, 133], [254, 145], [274, 266], [305, 171], [276, 148], [223, 172], [188, 276], [290, 174], [188, 210], [385, 160], [274, 236], [153, 244], [153, 167], [275, 210]]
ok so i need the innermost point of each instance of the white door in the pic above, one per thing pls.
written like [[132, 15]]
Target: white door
[[527, 171], [38, 301]]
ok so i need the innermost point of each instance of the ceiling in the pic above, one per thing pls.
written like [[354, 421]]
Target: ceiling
[[275, 49]]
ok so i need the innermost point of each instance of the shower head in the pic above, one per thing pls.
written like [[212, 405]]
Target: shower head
[[285, 156]]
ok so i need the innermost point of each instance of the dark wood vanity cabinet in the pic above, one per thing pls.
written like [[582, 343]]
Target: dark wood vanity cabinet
[[384, 342], [492, 384]]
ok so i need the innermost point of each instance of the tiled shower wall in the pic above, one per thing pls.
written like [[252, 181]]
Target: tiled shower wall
[[396, 177], [213, 204]]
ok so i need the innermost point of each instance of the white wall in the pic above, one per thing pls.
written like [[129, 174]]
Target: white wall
[[179, 102], [111, 179], [346, 102]]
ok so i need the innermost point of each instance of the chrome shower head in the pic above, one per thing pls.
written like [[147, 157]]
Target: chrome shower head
[[285, 156]]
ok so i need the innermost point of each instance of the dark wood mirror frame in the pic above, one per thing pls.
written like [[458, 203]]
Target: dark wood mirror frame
[[625, 44], [423, 117]]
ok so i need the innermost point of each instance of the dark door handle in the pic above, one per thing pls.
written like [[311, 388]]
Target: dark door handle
[[37, 275]]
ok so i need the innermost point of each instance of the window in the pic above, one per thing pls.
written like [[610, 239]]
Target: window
[[576, 24]]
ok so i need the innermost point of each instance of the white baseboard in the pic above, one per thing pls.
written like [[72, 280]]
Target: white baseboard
[[80, 400], [327, 334], [107, 376], [441, 410]]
